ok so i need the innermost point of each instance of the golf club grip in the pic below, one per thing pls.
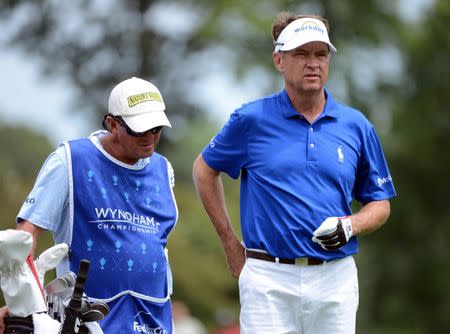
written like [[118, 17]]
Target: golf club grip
[[80, 281], [71, 323]]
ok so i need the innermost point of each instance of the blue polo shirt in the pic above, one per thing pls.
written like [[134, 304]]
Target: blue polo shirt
[[295, 174]]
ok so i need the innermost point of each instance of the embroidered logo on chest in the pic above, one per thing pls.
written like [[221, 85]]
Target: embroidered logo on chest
[[340, 154]]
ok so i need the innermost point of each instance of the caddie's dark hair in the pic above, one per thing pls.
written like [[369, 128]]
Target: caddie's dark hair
[[284, 18]]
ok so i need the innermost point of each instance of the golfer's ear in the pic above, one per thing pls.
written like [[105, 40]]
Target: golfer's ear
[[278, 61], [110, 124]]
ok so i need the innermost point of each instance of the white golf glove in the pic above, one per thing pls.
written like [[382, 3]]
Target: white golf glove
[[333, 233], [49, 259], [21, 290]]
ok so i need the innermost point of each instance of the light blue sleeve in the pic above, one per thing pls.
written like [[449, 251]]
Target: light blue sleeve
[[47, 204]]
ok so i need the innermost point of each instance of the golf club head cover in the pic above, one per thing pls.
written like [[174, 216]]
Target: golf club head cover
[[44, 324], [49, 259], [15, 245], [21, 288]]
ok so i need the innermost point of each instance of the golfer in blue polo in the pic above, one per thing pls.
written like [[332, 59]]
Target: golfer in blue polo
[[302, 158]]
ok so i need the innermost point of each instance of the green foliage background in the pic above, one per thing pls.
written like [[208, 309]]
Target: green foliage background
[[403, 268]]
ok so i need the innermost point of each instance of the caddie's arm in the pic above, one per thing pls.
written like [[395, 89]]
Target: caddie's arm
[[209, 187], [371, 217], [35, 231]]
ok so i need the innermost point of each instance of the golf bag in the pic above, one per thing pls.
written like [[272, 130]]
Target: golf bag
[[60, 307]]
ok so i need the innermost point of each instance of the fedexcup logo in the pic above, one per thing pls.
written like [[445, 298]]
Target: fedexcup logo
[[139, 98], [144, 328]]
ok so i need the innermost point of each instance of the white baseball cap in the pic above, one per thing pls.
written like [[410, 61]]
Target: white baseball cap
[[302, 31], [139, 103]]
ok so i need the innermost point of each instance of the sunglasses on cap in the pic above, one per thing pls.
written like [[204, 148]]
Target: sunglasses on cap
[[153, 131]]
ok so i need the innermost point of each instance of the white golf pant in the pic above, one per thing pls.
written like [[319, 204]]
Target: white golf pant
[[298, 299]]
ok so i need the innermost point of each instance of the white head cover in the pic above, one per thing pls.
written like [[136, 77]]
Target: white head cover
[[15, 245], [139, 103], [21, 289], [302, 31], [49, 259]]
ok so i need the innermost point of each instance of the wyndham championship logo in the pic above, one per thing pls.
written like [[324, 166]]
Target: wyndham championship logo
[[117, 219]]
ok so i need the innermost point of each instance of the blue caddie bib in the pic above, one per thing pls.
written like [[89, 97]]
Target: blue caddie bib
[[121, 219]]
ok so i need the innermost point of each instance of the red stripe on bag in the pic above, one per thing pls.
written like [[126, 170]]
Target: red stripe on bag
[[30, 263]]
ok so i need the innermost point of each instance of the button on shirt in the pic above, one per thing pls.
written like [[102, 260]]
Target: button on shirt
[[295, 174]]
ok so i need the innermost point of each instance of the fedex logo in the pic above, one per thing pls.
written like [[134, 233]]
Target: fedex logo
[[145, 328]]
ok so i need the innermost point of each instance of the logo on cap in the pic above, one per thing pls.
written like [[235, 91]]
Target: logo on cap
[[309, 25], [139, 98]]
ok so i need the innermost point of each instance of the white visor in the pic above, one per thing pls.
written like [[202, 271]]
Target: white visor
[[302, 31]]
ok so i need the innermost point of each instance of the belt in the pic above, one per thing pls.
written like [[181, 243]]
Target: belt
[[298, 261]]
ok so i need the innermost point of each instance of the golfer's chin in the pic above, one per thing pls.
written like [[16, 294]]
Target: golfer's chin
[[312, 87], [146, 151]]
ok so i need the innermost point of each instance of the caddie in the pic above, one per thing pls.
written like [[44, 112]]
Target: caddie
[[110, 198]]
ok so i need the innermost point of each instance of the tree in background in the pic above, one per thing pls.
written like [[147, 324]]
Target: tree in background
[[393, 69], [411, 273]]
